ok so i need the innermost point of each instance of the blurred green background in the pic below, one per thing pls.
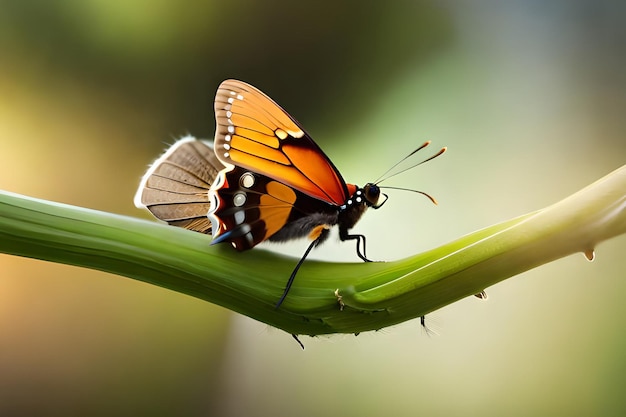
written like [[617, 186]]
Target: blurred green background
[[529, 96]]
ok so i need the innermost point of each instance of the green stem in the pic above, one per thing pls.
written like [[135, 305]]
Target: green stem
[[374, 295]]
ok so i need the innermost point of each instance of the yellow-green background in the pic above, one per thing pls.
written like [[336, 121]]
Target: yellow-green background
[[529, 96]]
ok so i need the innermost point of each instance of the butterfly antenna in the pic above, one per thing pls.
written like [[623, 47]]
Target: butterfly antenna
[[385, 177], [430, 197], [381, 178]]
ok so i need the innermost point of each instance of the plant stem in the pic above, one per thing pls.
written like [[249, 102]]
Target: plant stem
[[373, 295]]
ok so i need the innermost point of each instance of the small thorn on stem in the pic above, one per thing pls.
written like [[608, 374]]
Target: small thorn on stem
[[482, 295], [295, 336], [426, 329]]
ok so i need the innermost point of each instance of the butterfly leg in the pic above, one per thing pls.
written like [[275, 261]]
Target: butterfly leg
[[323, 234], [344, 235]]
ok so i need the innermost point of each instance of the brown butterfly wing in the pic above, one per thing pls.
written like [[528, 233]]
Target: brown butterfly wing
[[248, 208], [175, 188], [255, 133]]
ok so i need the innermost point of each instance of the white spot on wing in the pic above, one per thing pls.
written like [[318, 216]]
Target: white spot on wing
[[247, 180], [297, 134], [239, 199]]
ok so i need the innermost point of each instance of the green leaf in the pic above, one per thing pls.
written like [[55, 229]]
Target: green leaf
[[326, 297]]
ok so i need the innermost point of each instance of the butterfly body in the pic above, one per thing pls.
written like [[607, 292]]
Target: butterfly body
[[262, 179]]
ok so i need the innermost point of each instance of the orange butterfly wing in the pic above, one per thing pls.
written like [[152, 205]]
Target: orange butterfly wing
[[248, 208], [255, 133]]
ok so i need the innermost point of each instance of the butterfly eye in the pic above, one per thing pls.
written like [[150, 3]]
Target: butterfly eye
[[372, 193]]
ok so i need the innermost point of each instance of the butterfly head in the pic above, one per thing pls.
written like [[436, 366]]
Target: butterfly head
[[372, 195], [367, 196]]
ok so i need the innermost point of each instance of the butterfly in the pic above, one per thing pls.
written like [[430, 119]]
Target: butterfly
[[262, 179]]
